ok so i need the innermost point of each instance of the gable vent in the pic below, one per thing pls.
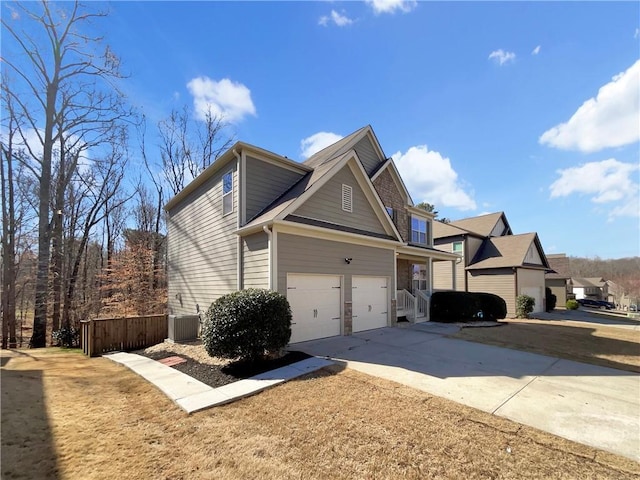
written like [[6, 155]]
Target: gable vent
[[347, 198]]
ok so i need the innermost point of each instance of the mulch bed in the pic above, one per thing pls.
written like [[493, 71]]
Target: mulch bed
[[217, 375]]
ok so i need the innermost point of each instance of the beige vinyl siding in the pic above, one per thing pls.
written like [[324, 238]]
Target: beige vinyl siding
[[255, 260], [533, 256], [472, 246], [264, 182], [443, 278], [367, 155], [529, 278], [558, 287], [498, 229], [307, 255], [442, 275], [500, 282], [326, 205], [202, 248]]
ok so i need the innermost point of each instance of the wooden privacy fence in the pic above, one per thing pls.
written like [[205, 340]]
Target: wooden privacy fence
[[102, 335]]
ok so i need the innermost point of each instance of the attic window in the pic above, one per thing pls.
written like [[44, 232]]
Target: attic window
[[347, 198]]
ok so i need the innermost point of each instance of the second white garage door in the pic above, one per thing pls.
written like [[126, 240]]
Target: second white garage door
[[315, 306], [370, 302]]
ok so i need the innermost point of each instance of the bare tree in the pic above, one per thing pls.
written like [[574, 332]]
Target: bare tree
[[9, 274], [99, 190], [66, 94], [188, 146]]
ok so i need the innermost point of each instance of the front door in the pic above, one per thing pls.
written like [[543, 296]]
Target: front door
[[419, 277]]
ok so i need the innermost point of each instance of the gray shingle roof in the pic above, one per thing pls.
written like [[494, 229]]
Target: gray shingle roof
[[482, 225], [558, 262], [443, 230], [506, 251]]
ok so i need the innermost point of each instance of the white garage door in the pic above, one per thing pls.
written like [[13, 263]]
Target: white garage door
[[315, 306], [370, 295], [536, 293]]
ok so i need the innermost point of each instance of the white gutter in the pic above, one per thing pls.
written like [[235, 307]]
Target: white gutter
[[270, 255], [240, 261]]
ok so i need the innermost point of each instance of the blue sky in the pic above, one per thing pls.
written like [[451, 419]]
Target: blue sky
[[527, 108]]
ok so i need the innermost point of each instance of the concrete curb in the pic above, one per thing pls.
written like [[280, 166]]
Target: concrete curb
[[192, 395]]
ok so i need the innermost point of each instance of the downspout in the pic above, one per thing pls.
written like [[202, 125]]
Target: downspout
[[239, 263], [269, 256]]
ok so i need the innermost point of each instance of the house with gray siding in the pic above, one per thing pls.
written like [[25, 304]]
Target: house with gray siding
[[492, 259], [338, 235]]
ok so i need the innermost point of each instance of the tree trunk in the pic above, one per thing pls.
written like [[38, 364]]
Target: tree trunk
[[39, 336]]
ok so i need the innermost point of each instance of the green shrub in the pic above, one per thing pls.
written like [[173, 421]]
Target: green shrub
[[67, 336], [572, 304], [551, 299], [524, 305], [248, 325], [459, 306]]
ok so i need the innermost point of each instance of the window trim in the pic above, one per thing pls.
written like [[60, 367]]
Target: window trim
[[426, 231], [230, 192], [453, 247]]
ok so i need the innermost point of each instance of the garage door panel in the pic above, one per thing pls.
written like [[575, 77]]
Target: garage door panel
[[370, 303], [315, 306]]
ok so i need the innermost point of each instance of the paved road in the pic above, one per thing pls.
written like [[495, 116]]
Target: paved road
[[590, 315], [593, 405]]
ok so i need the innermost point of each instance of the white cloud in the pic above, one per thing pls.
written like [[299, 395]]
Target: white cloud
[[317, 142], [501, 57], [636, 33], [611, 119], [429, 177], [391, 6], [228, 99], [607, 181], [336, 18], [536, 50]]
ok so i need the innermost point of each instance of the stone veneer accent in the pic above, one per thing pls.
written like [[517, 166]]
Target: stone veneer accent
[[394, 311], [404, 275], [348, 318], [391, 197]]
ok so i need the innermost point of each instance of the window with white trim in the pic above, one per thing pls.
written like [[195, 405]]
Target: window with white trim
[[457, 248], [419, 232], [347, 198], [227, 193]]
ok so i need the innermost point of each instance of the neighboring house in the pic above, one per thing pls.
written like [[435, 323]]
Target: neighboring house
[[337, 234], [594, 288], [492, 259], [558, 280]]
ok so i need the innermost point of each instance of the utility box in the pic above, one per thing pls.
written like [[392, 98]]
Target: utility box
[[183, 327]]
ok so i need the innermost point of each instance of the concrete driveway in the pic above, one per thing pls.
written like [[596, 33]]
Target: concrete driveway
[[593, 405]]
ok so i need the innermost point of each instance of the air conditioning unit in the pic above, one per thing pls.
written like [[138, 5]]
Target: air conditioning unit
[[183, 327]]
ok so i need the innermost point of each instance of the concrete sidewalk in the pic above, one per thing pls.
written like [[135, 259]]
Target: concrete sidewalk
[[192, 395], [588, 404]]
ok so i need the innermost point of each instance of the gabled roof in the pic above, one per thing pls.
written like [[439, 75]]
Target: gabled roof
[[588, 282], [293, 198], [344, 145], [508, 251], [444, 230], [223, 160], [559, 263], [395, 175], [482, 225]]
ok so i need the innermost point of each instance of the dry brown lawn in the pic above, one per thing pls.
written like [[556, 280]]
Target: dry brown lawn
[[581, 341], [70, 417]]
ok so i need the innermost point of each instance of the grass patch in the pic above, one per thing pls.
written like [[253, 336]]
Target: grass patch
[[602, 345], [67, 417]]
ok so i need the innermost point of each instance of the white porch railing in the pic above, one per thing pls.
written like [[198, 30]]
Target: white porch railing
[[415, 308], [422, 306], [405, 305]]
